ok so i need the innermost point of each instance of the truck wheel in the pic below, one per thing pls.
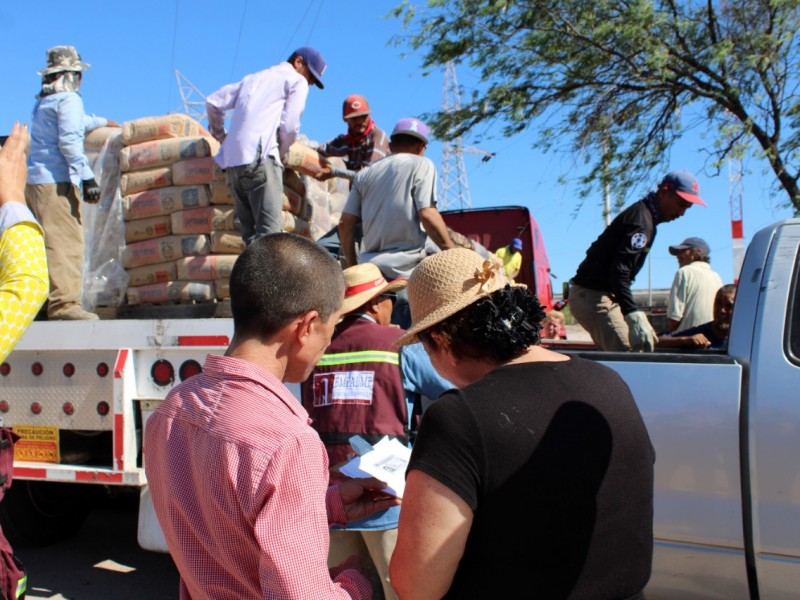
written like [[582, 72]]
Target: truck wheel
[[39, 513]]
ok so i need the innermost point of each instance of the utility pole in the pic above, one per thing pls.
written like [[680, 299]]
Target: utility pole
[[737, 223]]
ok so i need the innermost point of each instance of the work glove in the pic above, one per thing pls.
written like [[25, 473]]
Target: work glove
[[641, 334], [91, 191]]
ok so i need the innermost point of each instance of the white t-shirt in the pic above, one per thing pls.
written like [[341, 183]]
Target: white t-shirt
[[691, 299]]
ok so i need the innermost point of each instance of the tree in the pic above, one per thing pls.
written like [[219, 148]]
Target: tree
[[621, 80]]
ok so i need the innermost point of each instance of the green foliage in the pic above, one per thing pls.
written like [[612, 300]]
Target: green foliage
[[611, 79]]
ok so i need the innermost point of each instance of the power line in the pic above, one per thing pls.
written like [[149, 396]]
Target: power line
[[314, 24], [172, 57], [238, 40], [296, 29]]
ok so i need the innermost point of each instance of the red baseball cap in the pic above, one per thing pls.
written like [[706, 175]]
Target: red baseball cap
[[685, 185], [355, 106]]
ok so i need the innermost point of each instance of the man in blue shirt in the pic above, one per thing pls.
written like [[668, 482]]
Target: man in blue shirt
[[59, 176]]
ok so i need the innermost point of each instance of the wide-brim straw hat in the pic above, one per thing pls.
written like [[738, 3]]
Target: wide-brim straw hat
[[446, 282], [364, 282]]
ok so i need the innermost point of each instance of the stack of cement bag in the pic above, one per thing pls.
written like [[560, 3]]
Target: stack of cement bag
[[95, 140], [180, 235], [313, 207]]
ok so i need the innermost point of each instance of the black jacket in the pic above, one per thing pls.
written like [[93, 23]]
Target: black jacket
[[614, 259]]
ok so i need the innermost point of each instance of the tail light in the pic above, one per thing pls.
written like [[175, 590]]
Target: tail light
[[188, 369], [162, 372]]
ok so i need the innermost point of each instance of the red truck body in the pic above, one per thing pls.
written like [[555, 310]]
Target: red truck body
[[495, 227]]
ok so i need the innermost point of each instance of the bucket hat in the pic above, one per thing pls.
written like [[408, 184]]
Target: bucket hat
[[446, 282], [63, 58]]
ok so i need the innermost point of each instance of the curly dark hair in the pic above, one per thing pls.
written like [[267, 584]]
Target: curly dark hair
[[499, 327]]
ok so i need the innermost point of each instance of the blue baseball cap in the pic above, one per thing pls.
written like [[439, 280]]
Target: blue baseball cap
[[684, 184], [413, 127], [315, 63], [692, 242], [516, 243]]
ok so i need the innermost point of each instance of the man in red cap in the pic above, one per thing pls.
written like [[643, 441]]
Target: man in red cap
[[362, 145], [600, 295]]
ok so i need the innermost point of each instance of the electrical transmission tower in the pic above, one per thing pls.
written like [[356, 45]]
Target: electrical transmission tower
[[454, 188], [192, 106]]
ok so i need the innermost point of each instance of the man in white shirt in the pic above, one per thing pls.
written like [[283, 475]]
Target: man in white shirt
[[267, 107], [691, 299]]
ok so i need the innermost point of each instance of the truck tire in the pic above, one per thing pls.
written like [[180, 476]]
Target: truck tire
[[40, 513]]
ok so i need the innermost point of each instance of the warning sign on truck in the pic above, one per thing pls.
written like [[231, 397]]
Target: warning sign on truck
[[38, 444]]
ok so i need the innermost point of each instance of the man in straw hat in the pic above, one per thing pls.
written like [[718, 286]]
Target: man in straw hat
[[59, 176], [363, 144], [356, 389], [239, 479], [536, 475], [600, 296]]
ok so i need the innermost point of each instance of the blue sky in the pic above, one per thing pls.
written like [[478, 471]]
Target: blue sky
[[134, 48]]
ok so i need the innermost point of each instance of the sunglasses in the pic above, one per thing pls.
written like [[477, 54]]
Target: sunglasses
[[391, 296]]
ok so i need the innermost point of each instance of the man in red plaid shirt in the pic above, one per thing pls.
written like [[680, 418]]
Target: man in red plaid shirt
[[238, 477]]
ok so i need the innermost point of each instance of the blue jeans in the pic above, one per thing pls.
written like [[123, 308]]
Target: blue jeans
[[258, 191]]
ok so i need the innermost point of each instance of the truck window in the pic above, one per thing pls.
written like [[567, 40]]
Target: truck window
[[793, 315]]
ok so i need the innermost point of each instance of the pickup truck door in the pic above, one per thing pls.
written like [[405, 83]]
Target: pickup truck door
[[771, 404], [690, 404]]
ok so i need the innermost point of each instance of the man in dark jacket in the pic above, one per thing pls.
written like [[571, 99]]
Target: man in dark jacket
[[600, 293]]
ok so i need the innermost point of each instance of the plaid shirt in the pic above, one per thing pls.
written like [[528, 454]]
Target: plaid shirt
[[373, 146], [240, 486]]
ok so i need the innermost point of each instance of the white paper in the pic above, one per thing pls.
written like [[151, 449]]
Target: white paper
[[387, 462]]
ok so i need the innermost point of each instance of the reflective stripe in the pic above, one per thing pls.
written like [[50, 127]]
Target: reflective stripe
[[351, 358], [342, 437], [22, 586]]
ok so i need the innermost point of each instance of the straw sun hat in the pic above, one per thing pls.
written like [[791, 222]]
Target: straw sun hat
[[446, 282], [364, 282]]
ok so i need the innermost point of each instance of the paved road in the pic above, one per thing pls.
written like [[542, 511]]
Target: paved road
[[67, 571]]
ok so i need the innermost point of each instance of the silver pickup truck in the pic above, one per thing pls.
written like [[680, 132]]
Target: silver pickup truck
[[726, 429]]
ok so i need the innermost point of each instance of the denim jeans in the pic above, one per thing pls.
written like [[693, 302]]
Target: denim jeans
[[258, 191]]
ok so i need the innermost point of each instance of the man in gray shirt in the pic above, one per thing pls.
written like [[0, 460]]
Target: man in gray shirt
[[395, 199]]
